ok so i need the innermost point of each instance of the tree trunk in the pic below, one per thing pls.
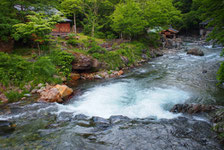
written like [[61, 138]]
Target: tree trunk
[[38, 46], [75, 28], [121, 36], [93, 28]]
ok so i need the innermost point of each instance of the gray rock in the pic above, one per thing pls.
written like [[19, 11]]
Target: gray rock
[[196, 52]]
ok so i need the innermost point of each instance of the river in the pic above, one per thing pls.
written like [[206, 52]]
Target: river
[[128, 113]]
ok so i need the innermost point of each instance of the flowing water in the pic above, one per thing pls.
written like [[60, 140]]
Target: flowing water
[[130, 112]]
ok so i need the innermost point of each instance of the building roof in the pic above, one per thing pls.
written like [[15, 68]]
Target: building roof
[[47, 11], [205, 22], [174, 31], [19, 8], [66, 20]]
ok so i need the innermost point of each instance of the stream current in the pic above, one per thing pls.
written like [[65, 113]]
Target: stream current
[[127, 113]]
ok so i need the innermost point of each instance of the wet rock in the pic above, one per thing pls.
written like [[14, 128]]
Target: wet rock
[[84, 123], [85, 63], [81, 117], [196, 52], [75, 76], [144, 56], [100, 122], [192, 108], [204, 71], [64, 90], [3, 98], [156, 53], [118, 119], [55, 93], [6, 127], [121, 72], [97, 77]]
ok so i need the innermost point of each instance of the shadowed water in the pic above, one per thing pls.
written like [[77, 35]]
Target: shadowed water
[[130, 112]]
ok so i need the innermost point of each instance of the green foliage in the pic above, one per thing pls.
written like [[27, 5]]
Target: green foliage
[[63, 61], [183, 5], [114, 60], [72, 39], [13, 69], [43, 70], [161, 13], [220, 73], [96, 49], [17, 71], [37, 28], [14, 96], [89, 42], [213, 11], [128, 19]]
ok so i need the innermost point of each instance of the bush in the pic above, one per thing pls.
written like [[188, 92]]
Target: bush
[[17, 71], [63, 60], [43, 70], [14, 96], [71, 39], [96, 49], [13, 69], [88, 43]]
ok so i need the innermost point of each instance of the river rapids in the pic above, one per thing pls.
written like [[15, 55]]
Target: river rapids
[[127, 113]]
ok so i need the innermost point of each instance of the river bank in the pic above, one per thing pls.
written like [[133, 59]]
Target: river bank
[[128, 112]]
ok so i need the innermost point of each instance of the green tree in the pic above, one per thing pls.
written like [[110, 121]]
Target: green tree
[[128, 19], [161, 13], [38, 28], [71, 7]]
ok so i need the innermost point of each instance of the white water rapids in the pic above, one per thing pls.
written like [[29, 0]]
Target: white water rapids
[[127, 99], [152, 90]]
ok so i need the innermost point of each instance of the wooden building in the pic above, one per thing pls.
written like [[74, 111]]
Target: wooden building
[[204, 30], [62, 28], [169, 33]]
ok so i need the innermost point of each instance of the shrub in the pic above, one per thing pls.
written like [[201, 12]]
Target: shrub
[[96, 49], [14, 96], [13, 69], [43, 70], [63, 60], [71, 39]]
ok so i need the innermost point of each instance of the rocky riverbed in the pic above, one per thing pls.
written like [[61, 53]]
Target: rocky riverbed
[[129, 112]]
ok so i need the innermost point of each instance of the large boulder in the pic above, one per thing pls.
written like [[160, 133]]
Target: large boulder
[[196, 52], [55, 93], [192, 108], [6, 127], [85, 63]]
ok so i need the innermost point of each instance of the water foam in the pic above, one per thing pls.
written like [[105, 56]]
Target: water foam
[[127, 99]]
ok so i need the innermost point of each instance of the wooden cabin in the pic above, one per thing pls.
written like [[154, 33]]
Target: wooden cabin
[[62, 28], [204, 30], [169, 33]]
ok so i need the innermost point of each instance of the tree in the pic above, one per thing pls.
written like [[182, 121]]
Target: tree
[[183, 5], [213, 10], [128, 19], [161, 13], [71, 7], [38, 28]]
